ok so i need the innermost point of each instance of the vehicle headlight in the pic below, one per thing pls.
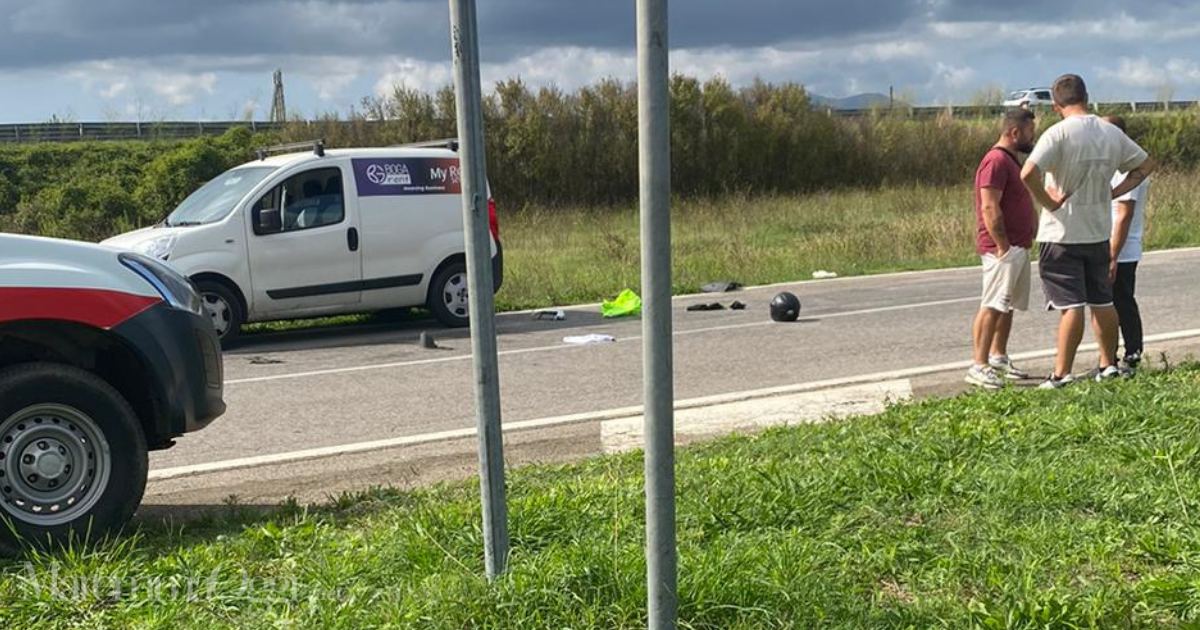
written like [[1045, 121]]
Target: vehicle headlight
[[175, 289], [159, 247]]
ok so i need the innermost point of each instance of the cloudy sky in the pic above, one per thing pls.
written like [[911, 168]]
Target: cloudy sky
[[212, 59]]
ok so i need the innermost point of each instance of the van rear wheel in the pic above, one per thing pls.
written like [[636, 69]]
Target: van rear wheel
[[448, 295], [223, 307]]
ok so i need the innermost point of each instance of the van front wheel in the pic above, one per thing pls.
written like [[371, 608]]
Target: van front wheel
[[448, 295]]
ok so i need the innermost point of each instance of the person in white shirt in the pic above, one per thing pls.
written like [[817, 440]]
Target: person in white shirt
[[1129, 223], [1070, 174]]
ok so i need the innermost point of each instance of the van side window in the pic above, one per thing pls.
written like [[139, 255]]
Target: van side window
[[313, 199]]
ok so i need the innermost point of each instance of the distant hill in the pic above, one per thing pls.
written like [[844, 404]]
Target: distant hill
[[858, 101]]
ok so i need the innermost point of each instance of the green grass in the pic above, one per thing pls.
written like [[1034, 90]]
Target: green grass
[[569, 256], [1021, 509]]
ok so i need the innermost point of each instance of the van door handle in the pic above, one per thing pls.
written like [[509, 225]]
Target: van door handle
[[352, 239]]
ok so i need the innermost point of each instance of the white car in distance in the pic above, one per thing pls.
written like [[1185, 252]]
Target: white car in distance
[[1030, 98]]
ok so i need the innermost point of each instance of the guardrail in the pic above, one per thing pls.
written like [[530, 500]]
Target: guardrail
[[177, 130], [981, 111], [64, 132]]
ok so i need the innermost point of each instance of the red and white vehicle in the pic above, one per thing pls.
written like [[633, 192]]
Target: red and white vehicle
[[103, 356]]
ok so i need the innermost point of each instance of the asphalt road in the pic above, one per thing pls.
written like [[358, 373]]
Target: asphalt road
[[291, 392]]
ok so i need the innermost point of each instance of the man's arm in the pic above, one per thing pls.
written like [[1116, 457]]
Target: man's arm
[[1134, 178], [1031, 175], [993, 219], [1119, 235]]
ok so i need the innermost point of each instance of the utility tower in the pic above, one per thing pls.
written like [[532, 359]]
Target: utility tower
[[278, 109]]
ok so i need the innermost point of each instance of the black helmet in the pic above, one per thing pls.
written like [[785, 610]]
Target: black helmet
[[785, 307]]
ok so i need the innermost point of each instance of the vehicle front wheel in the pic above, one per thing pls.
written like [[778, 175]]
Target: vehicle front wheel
[[72, 456]]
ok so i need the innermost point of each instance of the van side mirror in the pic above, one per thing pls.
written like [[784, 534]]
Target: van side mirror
[[267, 221]]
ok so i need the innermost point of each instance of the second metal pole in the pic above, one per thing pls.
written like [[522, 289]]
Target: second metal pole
[[654, 167], [467, 99]]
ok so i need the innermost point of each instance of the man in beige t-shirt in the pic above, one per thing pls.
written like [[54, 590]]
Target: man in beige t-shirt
[[1070, 175]]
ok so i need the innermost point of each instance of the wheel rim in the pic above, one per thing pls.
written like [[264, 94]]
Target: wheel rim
[[219, 311], [54, 464], [454, 295]]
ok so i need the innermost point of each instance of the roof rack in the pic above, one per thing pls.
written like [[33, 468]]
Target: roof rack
[[317, 146], [444, 143]]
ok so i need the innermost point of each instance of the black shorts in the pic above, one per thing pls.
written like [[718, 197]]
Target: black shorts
[[1075, 275]]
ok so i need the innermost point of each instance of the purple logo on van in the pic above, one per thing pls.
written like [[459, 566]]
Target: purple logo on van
[[407, 176]]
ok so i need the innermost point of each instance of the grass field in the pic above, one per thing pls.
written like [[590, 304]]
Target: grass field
[[1020, 509], [556, 257]]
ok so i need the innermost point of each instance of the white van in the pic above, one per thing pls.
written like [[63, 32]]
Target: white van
[[323, 233]]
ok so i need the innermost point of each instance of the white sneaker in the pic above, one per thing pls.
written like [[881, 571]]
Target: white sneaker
[[1004, 365], [1112, 372], [984, 376], [1057, 383]]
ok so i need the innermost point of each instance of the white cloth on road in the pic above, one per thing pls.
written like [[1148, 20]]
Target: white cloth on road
[[581, 340]]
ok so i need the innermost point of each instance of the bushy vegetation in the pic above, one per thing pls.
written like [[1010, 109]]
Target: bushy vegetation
[[547, 149], [90, 191]]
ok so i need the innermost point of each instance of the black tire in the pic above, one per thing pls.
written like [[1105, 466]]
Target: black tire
[[448, 295], [225, 309], [49, 408]]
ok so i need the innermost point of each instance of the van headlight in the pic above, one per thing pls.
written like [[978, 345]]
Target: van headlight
[[159, 247], [175, 289]]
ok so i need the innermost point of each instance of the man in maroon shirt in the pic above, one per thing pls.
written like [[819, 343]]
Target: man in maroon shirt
[[1006, 225]]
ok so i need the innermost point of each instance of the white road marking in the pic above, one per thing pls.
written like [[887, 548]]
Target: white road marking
[[611, 414]]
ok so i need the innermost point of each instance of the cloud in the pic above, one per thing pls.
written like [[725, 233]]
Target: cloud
[[330, 76], [47, 33], [571, 67], [111, 79], [952, 76], [209, 56], [890, 51], [1144, 73], [115, 89], [413, 74], [1041, 12], [250, 109], [1108, 30], [180, 88]]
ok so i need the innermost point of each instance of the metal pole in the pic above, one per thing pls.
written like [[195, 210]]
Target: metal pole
[[654, 167], [467, 99]]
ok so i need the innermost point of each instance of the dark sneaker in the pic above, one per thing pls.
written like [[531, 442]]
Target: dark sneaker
[[1133, 359]]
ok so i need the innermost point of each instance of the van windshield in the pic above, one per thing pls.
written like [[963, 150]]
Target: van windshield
[[216, 199]]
